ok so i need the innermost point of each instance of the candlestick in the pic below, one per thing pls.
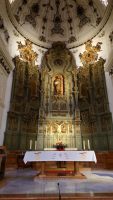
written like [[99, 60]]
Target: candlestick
[[35, 144], [84, 146], [31, 144], [88, 145]]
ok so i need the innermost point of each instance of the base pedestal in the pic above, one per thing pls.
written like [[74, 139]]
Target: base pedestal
[[57, 170]]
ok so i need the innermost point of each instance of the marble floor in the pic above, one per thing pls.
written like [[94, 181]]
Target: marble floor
[[22, 181]]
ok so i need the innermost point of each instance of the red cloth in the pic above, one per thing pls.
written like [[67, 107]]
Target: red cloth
[[60, 149]]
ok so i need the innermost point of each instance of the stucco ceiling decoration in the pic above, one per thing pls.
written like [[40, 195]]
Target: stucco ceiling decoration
[[71, 21], [90, 55]]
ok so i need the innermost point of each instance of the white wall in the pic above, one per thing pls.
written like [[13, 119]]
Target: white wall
[[109, 83], [3, 80], [3, 83], [6, 102]]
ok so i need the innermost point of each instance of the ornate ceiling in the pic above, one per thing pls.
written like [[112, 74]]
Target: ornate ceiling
[[47, 21]]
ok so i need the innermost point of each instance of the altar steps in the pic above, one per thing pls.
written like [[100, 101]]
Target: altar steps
[[62, 171], [82, 196]]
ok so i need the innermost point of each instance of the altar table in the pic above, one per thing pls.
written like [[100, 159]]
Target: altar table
[[45, 156], [37, 156]]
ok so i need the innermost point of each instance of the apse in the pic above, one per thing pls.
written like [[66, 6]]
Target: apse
[[73, 22]]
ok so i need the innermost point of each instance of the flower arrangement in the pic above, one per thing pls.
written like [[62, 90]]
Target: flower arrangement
[[59, 146]]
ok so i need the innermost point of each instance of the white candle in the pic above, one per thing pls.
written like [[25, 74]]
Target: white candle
[[31, 144], [84, 144], [88, 144], [35, 144]]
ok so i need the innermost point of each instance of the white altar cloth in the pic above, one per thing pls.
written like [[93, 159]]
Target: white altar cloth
[[37, 156]]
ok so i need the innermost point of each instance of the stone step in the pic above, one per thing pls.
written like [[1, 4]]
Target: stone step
[[77, 196]]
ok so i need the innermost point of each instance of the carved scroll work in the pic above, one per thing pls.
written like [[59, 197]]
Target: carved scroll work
[[26, 52], [90, 56]]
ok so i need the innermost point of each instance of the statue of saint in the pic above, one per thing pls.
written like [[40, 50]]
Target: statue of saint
[[58, 85]]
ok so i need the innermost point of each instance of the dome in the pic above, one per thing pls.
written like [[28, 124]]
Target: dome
[[70, 21]]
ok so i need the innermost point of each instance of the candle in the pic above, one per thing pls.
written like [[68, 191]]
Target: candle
[[31, 144], [84, 144], [35, 144], [88, 144]]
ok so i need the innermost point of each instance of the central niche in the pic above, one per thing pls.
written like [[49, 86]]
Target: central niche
[[58, 84], [57, 114]]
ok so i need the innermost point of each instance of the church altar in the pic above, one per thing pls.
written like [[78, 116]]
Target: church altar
[[59, 157], [40, 156]]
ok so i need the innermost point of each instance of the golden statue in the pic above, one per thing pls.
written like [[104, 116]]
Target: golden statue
[[58, 85]]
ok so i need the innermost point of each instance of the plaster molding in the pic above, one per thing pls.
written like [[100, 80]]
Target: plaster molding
[[21, 31], [46, 45], [5, 59], [92, 34]]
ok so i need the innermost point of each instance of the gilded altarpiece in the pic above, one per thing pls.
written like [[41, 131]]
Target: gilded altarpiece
[[59, 116], [96, 120], [60, 102], [23, 114]]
